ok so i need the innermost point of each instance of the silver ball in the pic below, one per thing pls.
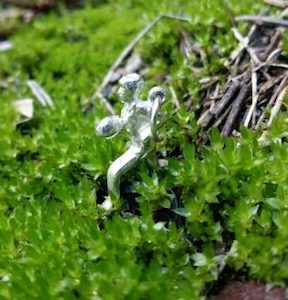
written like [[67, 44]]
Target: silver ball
[[109, 126], [155, 92]]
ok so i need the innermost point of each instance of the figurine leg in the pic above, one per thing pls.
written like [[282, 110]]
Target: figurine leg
[[121, 165]]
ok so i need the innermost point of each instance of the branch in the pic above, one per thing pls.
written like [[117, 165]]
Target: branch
[[261, 20], [238, 104], [245, 44], [279, 89], [255, 96], [126, 51], [277, 105], [277, 3]]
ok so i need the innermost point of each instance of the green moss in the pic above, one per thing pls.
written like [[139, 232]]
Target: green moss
[[55, 242]]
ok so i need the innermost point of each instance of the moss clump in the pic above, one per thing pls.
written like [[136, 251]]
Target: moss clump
[[55, 242]]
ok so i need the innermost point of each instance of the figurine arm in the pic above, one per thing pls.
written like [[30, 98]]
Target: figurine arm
[[109, 126], [157, 96]]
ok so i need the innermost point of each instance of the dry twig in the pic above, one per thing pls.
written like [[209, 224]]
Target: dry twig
[[215, 111], [277, 105], [237, 105], [279, 89], [255, 96], [237, 52], [245, 45], [263, 20], [269, 84], [275, 41], [126, 52], [277, 3]]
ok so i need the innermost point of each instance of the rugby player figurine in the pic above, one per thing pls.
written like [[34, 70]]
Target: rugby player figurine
[[139, 118]]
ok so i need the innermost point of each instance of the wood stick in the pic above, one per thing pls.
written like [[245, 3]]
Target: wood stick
[[273, 98], [275, 65], [269, 84], [284, 13], [255, 96], [268, 64], [237, 106], [274, 112], [236, 54], [275, 41], [245, 44], [125, 52], [238, 51], [274, 55], [277, 3], [277, 106], [205, 118], [261, 20], [227, 98], [221, 105], [222, 117]]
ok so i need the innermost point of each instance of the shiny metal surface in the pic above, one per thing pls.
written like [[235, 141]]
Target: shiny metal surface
[[139, 118]]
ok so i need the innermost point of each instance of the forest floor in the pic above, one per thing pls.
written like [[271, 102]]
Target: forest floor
[[210, 220]]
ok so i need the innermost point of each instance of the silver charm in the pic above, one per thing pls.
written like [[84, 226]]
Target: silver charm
[[139, 118]]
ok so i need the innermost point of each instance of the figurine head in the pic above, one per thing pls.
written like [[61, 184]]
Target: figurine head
[[130, 87]]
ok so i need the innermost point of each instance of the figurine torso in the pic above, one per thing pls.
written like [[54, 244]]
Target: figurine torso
[[136, 118]]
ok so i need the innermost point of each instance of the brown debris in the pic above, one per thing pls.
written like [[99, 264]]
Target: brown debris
[[235, 110], [221, 105], [237, 290], [255, 72], [263, 20], [257, 79], [279, 90]]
